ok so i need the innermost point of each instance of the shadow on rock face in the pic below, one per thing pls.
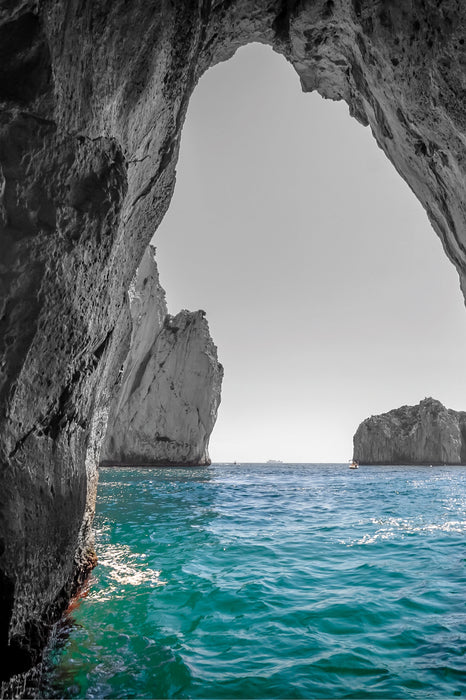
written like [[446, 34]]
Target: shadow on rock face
[[25, 68]]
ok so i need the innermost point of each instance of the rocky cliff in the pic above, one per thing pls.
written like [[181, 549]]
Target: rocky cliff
[[93, 95], [427, 433], [167, 403]]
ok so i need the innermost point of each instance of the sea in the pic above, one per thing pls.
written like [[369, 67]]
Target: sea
[[270, 581]]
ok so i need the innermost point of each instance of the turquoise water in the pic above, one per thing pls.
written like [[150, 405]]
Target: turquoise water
[[272, 581]]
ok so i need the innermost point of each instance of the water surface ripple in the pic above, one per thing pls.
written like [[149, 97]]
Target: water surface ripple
[[271, 581]]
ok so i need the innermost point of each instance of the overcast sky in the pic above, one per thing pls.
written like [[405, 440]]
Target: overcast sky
[[327, 292]]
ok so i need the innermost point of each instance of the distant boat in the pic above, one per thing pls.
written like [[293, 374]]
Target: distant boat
[[274, 461], [353, 464]]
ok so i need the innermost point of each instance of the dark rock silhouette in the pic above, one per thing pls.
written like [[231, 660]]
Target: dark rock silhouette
[[93, 95], [427, 433]]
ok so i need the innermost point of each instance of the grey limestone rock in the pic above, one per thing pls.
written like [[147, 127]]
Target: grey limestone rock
[[167, 403], [93, 96], [427, 433]]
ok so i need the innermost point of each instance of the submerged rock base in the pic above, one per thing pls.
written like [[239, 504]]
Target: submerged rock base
[[427, 433]]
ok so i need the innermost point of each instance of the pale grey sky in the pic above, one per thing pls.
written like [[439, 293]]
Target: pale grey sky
[[327, 292]]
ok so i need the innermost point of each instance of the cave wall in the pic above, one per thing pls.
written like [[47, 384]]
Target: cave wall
[[93, 94]]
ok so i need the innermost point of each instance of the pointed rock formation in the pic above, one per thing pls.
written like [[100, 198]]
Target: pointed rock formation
[[427, 433], [167, 403]]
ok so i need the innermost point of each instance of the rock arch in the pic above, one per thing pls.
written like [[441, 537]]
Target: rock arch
[[93, 96]]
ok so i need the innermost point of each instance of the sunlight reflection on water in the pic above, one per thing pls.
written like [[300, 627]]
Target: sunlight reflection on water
[[122, 567]]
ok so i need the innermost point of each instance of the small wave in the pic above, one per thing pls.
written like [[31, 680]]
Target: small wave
[[393, 528]]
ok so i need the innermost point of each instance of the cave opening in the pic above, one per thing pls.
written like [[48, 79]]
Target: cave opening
[[325, 287], [107, 112]]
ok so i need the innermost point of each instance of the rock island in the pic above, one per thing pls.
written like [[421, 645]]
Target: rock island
[[427, 433]]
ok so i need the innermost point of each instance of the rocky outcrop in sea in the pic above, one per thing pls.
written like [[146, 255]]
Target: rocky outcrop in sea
[[167, 402], [93, 96], [427, 433]]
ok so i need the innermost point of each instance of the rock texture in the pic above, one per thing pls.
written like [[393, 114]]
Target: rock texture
[[167, 404], [427, 433], [93, 95]]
